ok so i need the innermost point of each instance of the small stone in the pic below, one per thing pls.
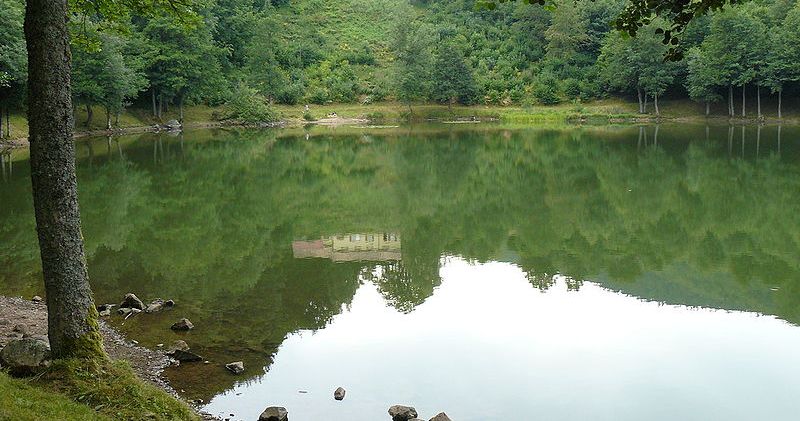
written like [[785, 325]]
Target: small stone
[[441, 417], [25, 356], [177, 345], [182, 324], [185, 356], [169, 303], [402, 412], [36, 299], [339, 393], [235, 367], [103, 307], [124, 311], [156, 306], [132, 301], [160, 346], [21, 329], [274, 413], [105, 313]]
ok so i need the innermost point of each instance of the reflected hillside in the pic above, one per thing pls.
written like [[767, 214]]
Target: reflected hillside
[[257, 236]]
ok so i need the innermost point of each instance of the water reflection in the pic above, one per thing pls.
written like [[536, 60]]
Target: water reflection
[[259, 236]]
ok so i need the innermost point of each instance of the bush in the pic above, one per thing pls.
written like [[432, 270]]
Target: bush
[[307, 116], [545, 90], [291, 94], [247, 106]]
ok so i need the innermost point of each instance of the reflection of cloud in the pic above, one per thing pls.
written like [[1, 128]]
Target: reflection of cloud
[[351, 247]]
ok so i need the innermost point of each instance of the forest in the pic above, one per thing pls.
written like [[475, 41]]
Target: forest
[[249, 55]]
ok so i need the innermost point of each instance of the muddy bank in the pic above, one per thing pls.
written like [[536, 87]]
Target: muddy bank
[[20, 317]]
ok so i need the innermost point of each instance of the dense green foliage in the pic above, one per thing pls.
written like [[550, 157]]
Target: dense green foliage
[[311, 51]]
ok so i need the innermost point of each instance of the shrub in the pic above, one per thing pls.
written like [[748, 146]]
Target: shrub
[[546, 90], [247, 106]]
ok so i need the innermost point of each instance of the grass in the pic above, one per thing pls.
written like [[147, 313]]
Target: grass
[[69, 390]]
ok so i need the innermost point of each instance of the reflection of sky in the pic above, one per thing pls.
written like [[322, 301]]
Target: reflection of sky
[[488, 346]]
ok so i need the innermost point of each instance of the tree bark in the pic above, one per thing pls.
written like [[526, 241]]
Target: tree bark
[[1, 123], [89, 115], [744, 111], [153, 97], [779, 103], [72, 318], [645, 102], [708, 108], [180, 106], [758, 97], [655, 104], [8, 122], [639, 94], [730, 101], [108, 119]]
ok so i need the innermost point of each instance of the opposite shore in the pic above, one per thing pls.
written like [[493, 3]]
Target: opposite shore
[[612, 111]]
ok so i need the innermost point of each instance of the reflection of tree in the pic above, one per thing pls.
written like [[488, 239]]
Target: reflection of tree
[[211, 222]]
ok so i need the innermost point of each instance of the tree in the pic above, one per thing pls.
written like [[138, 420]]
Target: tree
[[12, 60], [411, 71], [452, 79], [783, 61], [72, 318], [701, 82]]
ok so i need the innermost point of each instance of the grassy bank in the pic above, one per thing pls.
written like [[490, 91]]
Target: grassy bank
[[71, 391], [599, 112]]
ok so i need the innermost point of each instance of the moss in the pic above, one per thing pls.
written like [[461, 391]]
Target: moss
[[113, 390], [90, 345]]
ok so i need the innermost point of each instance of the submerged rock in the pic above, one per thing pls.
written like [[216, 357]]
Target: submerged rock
[[25, 356], [339, 393], [182, 324], [185, 356], [132, 301], [402, 413], [441, 417], [235, 367], [177, 345], [274, 413]]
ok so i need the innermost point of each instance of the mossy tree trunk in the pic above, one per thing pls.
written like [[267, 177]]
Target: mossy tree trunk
[[72, 318]]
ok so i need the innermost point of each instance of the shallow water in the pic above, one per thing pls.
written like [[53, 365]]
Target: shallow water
[[488, 272]]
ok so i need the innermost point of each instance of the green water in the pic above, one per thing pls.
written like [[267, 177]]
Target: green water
[[488, 272]]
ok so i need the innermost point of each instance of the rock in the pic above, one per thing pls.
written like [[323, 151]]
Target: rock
[[36, 299], [182, 324], [105, 313], [104, 307], [20, 329], [173, 124], [132, 312], [177, 345], [402, 413], [124, 311], [185, 356], [235, 367], [156, 306], [169, 303], [441, 417], [132, 301], [274, 413], [338, 394], [25, 356]]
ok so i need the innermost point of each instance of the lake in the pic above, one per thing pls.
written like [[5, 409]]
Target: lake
[[490, 272]]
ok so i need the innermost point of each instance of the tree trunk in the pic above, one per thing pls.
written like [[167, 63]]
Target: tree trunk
[[655, 104], [8, 122], [108, 119], [180, 106], [160, 105], [758, 97], [744, 112], [72, 318], [645, 102], [1, 123], [779, 103], [153, 97], [89, 115], [639, 94], [730, 101], [708, 108]]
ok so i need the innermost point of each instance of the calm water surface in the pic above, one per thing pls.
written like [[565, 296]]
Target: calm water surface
[[613, 273]]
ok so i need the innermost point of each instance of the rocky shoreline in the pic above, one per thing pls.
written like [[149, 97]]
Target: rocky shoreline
[[21, 318]]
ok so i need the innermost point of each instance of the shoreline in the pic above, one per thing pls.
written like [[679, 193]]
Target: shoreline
[[26, 318]]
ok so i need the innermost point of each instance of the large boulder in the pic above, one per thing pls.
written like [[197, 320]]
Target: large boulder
[[132, 301], [274, 413], [441, 417], [25, 356], [182, 324], [172, 125], [402, 412], [339, 393]]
